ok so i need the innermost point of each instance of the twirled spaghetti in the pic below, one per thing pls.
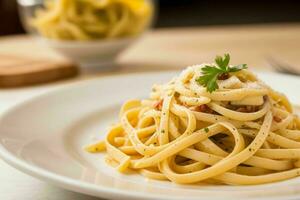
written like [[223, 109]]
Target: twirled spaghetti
[[243, 133]]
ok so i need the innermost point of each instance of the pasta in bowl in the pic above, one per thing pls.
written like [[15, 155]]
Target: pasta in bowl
[[214, 123], [91, 32], [92, 19]]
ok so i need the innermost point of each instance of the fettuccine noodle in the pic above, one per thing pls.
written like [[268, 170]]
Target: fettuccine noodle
[[93, 19], [243, 133]]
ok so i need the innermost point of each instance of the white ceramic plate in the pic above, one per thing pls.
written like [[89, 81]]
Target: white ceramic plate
[[44, 137]]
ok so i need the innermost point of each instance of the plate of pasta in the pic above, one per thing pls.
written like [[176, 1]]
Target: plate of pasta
[[213, 130]]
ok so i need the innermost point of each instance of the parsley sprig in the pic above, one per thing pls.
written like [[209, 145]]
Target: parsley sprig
[[210, 74]]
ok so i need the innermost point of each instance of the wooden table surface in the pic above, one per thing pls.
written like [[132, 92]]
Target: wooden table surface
[[162, 49]]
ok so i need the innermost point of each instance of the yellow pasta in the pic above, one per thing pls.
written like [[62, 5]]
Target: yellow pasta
[[93, 19], [241, 134]]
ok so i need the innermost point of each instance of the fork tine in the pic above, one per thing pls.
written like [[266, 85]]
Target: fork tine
[[280, 67], [275, 65], [291, 69]]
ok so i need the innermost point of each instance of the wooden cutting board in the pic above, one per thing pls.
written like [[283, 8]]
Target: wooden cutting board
[[17, 71]]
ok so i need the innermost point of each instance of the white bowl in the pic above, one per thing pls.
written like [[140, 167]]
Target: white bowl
[[100, 54]]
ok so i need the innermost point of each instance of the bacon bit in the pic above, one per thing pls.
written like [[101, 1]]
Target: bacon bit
[[277, 119], [223, 76], [158, 104], [203, 108], [242, 109], [247, 109], [252, 108]]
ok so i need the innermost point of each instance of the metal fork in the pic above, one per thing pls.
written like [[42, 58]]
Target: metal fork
[[283, 67]]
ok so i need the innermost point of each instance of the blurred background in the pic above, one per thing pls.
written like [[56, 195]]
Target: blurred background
[[180, 13]]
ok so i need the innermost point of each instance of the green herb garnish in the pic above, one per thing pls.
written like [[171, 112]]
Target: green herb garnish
[[206, 129], [210, 74]]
